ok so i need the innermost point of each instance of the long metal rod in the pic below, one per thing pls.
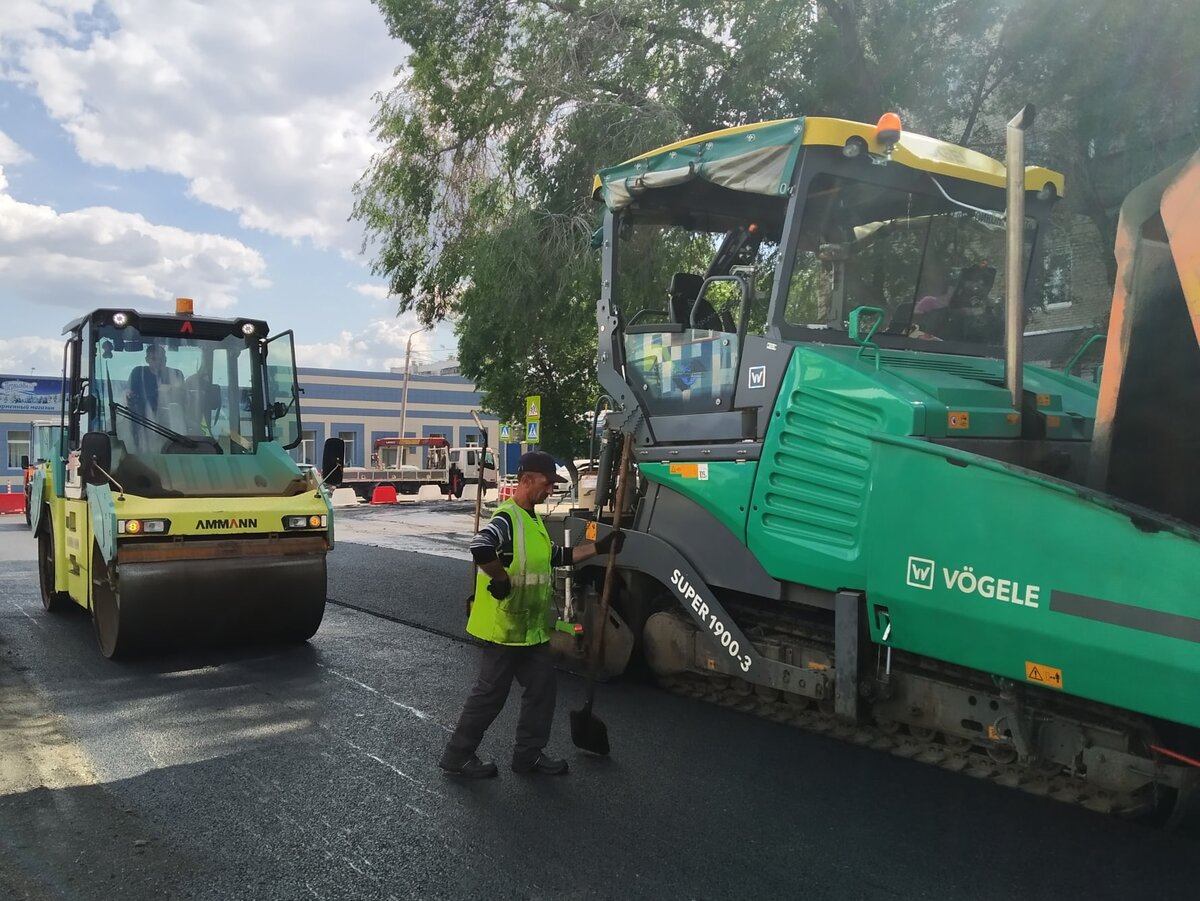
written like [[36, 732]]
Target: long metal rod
[[479, 472], [610, 567], [478, 493], [1014, 319]]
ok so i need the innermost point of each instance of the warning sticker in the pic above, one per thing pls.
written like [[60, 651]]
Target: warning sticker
[[1043, 675], [1043, 400], [687, 470], [958, 419], [589, 532]]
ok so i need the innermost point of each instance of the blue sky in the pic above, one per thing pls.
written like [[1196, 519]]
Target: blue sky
[[154, 149]]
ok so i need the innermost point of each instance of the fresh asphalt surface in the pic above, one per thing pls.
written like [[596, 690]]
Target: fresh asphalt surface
[[309, 773]]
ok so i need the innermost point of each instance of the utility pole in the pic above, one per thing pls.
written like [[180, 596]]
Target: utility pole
[[403, 457]]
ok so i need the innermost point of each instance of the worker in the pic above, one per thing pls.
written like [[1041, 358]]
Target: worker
[[147, 386], [962, 313], [144, 381], [513, 614]]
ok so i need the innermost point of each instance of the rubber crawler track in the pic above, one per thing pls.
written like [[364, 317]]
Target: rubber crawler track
[[1056, 785]]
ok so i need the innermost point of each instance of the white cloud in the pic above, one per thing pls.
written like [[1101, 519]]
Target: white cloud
[[264, 108], [372, 290], [31, 355], [380, 346], [11, 151], [85, 258]]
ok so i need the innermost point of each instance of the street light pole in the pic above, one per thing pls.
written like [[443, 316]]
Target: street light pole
[[404, 398]]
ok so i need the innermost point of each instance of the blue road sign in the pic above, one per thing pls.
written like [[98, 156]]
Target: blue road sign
[[531, 432]]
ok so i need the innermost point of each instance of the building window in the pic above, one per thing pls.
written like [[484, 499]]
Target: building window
[[308, 447], [348, 437], [1056, 279], [18, 447]]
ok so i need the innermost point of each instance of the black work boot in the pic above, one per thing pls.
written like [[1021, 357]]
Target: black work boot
[[471, 768], [549, 766]]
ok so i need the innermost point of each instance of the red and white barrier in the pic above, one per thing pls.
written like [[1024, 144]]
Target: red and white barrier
[[383, 494], [12, 501]]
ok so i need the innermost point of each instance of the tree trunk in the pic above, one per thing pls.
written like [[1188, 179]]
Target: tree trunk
[[868, 100]]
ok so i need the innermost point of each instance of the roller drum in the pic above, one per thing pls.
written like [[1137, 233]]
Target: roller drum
[[155, 605]]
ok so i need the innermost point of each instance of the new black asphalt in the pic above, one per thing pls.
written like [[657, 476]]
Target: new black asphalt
[[308, 772]]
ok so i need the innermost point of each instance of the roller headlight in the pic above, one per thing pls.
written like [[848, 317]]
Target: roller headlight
[[120, 320], [305, 522], [143, 526]]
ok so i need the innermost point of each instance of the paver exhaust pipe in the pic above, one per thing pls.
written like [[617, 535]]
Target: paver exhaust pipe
[[1014, 319]]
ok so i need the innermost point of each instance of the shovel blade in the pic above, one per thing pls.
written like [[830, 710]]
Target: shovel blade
[[588, 732]]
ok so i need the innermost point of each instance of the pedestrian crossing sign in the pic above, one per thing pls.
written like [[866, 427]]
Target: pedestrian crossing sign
[[505, 433], [531, 432], [533, 408]]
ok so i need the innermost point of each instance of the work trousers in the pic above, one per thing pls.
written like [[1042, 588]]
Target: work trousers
[[533, 668]]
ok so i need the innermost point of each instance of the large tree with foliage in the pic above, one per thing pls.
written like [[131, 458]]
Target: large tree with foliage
[[479, 207]]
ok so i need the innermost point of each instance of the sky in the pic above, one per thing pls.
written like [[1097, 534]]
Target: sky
[[195, 148]]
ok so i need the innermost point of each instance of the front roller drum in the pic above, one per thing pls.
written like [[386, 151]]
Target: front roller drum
[[165, 605], [53, 601]]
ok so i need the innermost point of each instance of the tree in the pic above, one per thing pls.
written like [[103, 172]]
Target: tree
[[1119, 94], [480, 203], [536, 336]]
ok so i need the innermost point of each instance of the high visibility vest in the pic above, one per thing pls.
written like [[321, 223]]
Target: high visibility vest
[[525, 617]]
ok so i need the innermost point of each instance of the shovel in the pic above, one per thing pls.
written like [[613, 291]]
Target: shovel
[[588, 732]]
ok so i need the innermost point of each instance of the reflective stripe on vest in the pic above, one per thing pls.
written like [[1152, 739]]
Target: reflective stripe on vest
[[524, 617]]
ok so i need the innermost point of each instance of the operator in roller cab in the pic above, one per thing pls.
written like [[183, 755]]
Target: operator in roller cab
[[182, 407]]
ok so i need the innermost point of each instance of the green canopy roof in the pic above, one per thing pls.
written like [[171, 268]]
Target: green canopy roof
[[760, 158]]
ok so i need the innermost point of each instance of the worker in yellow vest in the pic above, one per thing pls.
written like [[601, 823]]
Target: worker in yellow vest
[[513, 614]]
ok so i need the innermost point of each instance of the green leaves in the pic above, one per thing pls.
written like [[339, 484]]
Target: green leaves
[[479, 206]]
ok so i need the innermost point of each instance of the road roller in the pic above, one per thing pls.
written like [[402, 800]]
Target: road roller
[[171, 509]]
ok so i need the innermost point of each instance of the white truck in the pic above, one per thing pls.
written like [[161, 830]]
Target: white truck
[[389, 467], [449, 468]]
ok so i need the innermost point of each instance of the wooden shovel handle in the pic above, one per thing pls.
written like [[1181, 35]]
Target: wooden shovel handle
[[611, 567]]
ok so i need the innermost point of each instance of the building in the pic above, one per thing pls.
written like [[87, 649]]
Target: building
[[23, 400], [357, 406], [360, 407], [444, 367]]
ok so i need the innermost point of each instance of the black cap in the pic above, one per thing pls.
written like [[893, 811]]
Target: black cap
[[539, 461]]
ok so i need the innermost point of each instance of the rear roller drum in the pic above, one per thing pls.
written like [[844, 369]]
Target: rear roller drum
[[53, 601]]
